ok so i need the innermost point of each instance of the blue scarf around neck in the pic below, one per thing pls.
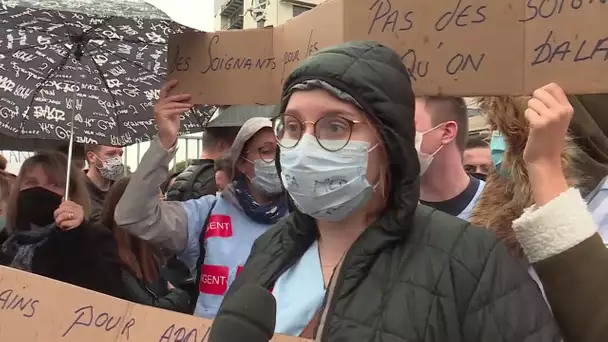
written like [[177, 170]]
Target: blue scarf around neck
[[269, 213]]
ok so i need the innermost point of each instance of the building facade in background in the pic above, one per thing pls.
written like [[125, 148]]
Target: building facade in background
[[477, 122], [240, 14]]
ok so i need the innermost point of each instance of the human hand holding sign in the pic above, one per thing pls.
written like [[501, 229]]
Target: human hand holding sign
[[69, 215], [167, 112], [549, 113]]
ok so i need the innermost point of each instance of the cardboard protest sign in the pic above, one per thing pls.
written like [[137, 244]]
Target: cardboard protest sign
[[454, 47], [37, 309]]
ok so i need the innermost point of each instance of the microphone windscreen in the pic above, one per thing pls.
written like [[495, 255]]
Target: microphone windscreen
[[249, 315]]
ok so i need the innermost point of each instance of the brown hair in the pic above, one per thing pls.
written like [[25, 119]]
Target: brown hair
[[55, 165], [6, 182], [224, 163], [477, 141], [3, 162], [377, 207], [450, 108], [504, 198], [212, 136], [95, 149], [91, 148], [137, 255]]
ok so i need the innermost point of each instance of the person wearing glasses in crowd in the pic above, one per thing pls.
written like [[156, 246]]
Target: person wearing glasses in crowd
[[213, 234], [359, 258]]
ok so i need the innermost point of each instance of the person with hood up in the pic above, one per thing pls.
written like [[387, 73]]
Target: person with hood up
[[358, 258], [212, 235]]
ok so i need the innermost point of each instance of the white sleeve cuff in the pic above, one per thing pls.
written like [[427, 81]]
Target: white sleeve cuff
[[555, 227]]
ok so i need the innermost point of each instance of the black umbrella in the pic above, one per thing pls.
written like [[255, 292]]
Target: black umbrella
[[90, 75], [101, 72], [8, 143]]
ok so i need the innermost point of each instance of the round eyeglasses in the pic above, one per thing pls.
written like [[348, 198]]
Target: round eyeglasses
[[333, 132], [267, 152]]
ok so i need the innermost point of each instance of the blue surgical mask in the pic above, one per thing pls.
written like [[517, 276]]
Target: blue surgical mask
[[266, 178], [326, 185], [2, 223], [497, 150]]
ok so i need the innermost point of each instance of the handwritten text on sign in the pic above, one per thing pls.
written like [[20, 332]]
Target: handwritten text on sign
[[89, 318], [456, 47], [37, 309]]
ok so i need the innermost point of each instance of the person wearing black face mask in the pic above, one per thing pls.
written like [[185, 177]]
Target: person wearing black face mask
[[476, 157], [50, 236]]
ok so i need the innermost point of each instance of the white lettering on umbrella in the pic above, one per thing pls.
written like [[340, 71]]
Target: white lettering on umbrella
[[6, 84], [49, 113], [23, 56], [22, 92]]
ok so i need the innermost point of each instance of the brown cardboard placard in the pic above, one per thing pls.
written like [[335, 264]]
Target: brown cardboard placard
[[38, 309], [454, 47]]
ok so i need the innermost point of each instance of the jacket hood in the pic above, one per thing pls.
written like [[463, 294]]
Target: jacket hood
[[589, 129], [376, 78]]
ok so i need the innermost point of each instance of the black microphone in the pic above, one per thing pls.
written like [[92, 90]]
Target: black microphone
[[249, 315]]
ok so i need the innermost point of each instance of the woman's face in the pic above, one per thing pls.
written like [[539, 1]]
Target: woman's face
[[37, 177], [262, 145], [310, 106]]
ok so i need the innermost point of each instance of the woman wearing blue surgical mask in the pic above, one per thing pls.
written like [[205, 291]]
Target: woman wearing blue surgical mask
[[359, 259], [211, 235], [498, 147]]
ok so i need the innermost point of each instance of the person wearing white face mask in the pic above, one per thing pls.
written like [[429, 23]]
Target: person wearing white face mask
[[212, 235], [441, 133], [358, 258], [345, 188], [265, 177]]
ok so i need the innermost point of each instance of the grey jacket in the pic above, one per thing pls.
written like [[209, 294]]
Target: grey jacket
[[142, 213]]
